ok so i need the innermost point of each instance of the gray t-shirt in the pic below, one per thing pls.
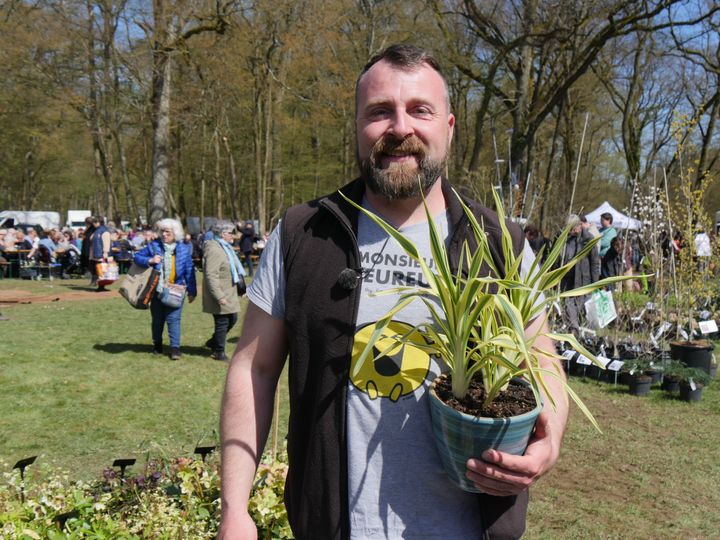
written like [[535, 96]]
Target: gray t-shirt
[[397, 487]]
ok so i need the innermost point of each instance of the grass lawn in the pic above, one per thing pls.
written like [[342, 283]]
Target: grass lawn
[[79, 387]]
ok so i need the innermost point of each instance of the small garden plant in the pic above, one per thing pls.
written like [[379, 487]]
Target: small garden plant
[[173, 499]]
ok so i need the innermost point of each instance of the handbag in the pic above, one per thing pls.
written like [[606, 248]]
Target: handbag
[[241, 286], [107, 273], [173, 295], [139, 285]]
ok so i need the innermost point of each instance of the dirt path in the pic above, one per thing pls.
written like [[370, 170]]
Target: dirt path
[[63, 294]]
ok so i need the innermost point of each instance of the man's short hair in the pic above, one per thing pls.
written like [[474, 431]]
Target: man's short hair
[[406, 57], [573, 220], [607, 216]]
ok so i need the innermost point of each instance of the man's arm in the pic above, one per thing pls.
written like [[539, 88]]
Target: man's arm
[[246, 414], [501, 474]]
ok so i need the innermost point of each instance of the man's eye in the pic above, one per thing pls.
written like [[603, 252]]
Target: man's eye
[[378, 113], [422, 111]]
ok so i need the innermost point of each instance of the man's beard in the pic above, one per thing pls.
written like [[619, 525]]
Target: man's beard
[[401, 180]]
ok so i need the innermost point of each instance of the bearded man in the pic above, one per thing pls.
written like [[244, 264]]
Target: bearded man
[[362, 461]]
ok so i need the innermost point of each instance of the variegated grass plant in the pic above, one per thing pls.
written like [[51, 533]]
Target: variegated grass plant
[[474, 329]]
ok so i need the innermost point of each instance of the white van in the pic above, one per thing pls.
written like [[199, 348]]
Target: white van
[[76, 219], [46, 220]]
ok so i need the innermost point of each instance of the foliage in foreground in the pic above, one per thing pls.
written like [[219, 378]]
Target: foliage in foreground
[[173, 499]]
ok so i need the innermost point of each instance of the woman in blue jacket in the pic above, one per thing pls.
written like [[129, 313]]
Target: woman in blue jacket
[[173, 259]]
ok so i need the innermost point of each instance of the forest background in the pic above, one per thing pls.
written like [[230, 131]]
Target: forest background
[[232, 108]]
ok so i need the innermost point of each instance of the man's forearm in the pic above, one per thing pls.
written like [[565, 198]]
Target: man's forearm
[[244, 424], [247, 406]]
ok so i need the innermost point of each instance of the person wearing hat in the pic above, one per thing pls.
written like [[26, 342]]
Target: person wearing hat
[[586, 271]]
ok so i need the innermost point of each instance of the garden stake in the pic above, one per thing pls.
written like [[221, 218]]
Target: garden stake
[[203, 451], [577, 167], [21, 465], [123, 463]]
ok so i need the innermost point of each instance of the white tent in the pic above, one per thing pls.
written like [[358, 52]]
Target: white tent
[[620, 220]]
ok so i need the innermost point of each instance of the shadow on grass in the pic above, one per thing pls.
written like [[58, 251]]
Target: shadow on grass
[[146, 348], [91, 288]]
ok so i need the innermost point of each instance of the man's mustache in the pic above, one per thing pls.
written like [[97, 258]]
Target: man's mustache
[[391, 145]]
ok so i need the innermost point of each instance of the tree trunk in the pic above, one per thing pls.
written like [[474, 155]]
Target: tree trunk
[[161, 85]]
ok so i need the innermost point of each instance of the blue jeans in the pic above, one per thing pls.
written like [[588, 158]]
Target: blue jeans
[[162, 314]]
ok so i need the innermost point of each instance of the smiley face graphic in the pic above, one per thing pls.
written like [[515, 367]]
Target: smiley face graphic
[[392, 370]]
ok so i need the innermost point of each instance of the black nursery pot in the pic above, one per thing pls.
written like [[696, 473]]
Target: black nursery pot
[[688, 394], [655, 375], [640, 385], [671, 384], [699, 356], [624, 377]]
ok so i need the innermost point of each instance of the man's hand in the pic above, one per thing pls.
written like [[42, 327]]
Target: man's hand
[[237, 526], [501, 474], [222, 302], [191, 299]]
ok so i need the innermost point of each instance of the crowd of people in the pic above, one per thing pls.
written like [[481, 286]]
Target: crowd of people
[[166, 247], [76, 252], [617, 253]]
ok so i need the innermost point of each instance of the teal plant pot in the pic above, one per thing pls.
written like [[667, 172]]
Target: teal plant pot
[[459, 437]]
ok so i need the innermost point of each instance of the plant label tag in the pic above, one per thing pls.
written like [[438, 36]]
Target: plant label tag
[[664, 327], [708, 327], [584, 360], [615, 365], [650, 306], [693, 386], [684, 334], [604, 361], [568, 355]]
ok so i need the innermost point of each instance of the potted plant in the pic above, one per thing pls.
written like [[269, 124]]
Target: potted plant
[[478, 330], [635, 375], [672, 376], [692, 383]]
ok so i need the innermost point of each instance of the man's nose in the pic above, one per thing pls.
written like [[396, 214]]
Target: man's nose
[[401, 125]]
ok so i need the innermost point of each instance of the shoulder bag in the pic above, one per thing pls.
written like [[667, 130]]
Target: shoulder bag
[[139, 285]]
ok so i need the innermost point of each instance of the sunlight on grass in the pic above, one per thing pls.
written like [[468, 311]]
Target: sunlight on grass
[[79, 385]]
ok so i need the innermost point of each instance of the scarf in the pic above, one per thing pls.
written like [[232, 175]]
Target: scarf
[[167, 267], [236, 269]]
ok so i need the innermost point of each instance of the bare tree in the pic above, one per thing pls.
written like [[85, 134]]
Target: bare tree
[[174, 24], [542, 48]]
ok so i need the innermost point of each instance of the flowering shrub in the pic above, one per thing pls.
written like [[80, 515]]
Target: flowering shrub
[[172, 499]]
